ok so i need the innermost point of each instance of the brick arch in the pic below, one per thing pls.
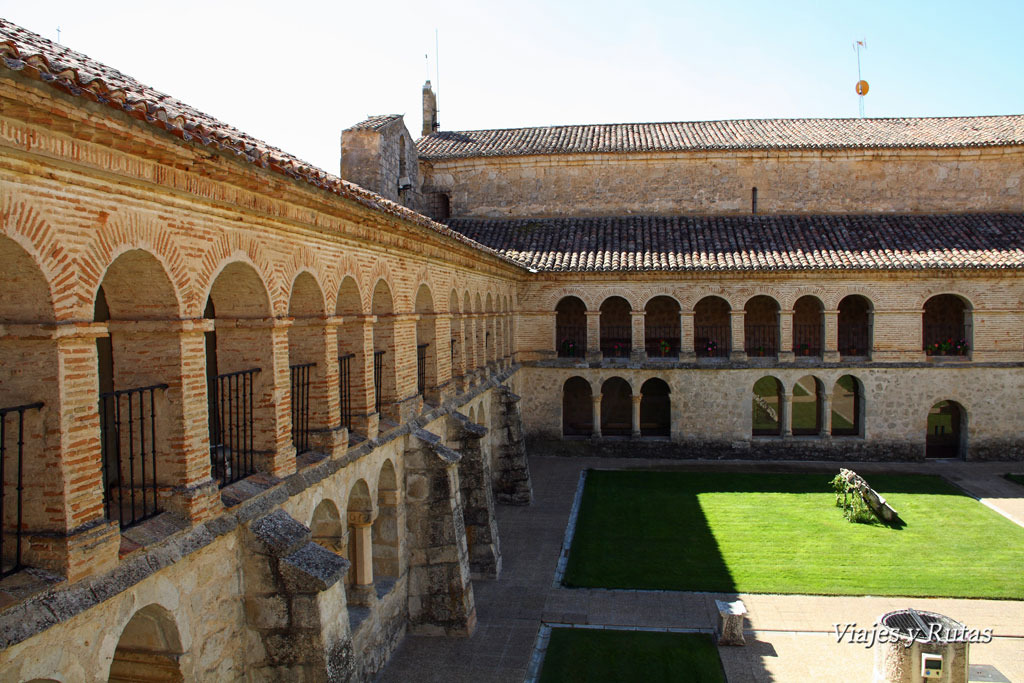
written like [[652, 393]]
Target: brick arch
[[628, 294], [424, 277], [230, 248], [649, 296], [689, 299], [818, 293], [552, 298], [939, 291], [380, 271], [770, 293], [228, 259], [30, 228], [323, 308], [306, 258], [833, 302], [361, 296]]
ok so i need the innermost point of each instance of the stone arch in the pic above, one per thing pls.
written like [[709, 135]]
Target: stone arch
[[848, 405], [327, 527], [655, 408], [946, 434], [806, 398], [767, 411], [150, 648], [577, 407], [24, 225], [386, 535], [361, 513], [616, 407]]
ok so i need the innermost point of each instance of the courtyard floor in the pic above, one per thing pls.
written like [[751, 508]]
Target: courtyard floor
[[789, 637]]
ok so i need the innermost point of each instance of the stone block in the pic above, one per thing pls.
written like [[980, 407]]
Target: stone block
[[312, 569]]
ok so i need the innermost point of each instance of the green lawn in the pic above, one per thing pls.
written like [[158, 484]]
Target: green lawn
[[1015, 478], [591, 656], [781, 533]]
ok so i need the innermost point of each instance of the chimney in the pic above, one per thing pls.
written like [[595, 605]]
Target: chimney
[[430, 123]]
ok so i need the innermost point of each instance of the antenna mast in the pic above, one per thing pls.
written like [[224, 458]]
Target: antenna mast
[[862, 85], [437, 66]]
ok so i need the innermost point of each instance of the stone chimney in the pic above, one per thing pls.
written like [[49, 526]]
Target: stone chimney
[[430, 123]]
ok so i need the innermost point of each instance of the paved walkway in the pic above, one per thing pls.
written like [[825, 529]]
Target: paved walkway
[[790, 637]]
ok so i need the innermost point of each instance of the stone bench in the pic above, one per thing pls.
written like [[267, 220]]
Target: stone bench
[[730, 622]]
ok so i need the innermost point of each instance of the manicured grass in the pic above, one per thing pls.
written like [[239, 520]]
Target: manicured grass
[[781, 533], [1015, 478], [591, 656]]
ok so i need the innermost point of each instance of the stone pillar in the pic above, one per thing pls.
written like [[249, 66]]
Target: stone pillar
[[596, 416], [786, 414], [594, 336], [440, 591], [361, 542], [637, 398], [826, 412], [638, 348], [512, 485], [737, 351], [476, 488], [686, 350], [786, 354], [830, 340]]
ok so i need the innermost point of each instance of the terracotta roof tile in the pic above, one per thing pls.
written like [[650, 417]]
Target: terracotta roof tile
[[377, 122], [744, 134], [756, 243]]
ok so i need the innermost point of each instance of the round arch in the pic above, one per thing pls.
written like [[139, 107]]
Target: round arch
[[946, 435], [616, 407], [577, 408], [655, 408], [150, 648], [766, 415]]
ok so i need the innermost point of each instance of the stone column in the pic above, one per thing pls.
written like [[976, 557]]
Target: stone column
[[596, 416], [594, 336], [737, 352], [638, 348], [686, 350], [512, 485], [826, 413], [786, 354], [786, 414], [830, 338], [361, 542], [475, 486], [637, 398]]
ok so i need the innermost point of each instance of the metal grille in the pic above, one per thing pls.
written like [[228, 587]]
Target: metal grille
[[572, 341], [300, 376], [662, 342], [378, 378], [920, 625], [761, 340], [345, 389], [616, 341], [853, 340], [12, 459], [231, 426], [946, 339], [807, 340], [711, 341], [421, 368], [127, 423]]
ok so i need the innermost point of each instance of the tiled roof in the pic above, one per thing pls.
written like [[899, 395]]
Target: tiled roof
[[377, 122], [76, 74], [756, 243], [745, 134]]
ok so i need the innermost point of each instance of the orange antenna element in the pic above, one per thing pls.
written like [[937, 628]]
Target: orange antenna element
[[862, 88]]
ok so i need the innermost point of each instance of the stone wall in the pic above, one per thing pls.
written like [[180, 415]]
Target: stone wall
[[787, 182], [379, 160]]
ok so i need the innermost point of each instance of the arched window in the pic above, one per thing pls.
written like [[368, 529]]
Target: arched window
[[947, 431], [847, 408], [712, 328], [947, 325], [308, 372], [661, 327], [386, 550], [327, 528], [761, 327], [351, 356], [571, 328], [426, 345], [855, 315], [616, 328], [808, 326], [384, 351], [655, 408], [806, 406], [767, 407], [360, 543], [616, 408], [577, 408], [149, 648]]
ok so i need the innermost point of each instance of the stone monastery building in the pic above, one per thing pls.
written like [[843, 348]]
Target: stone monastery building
[[256, 417]]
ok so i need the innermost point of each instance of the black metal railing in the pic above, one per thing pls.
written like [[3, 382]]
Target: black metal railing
[[127, 421], [232, 426], [345, 389], [12, 519], [945, 339], [421, 368], [572, 341], [761, 340], [662, 342], [854, 340], [301, 374], [807, 339], [616, 341], [711, 341], [378, 379], [453, 355]]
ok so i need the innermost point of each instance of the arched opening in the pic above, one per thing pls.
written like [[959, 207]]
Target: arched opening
[[457, 342], [327, 528], [807, 402], [577, 408], [761, 327], [490, 335], [661, 327], [854, 333], [571, 327], [426, 345], [767, 407], [242, 417], [469, 335], [384, 382], [352, 375], [616, 408], [712, 328], [947, 326], [31, 466], [149, 649], [947, 431], [847, 407], [481, 331], [616, 328], [808, 326], [386, 551], [655, 409], [360, 543], [306, 353]]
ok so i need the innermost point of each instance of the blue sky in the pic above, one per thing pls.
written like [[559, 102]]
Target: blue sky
[[296, 74]]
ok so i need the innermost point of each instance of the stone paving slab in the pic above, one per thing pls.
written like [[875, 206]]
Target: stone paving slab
[[790, 637]]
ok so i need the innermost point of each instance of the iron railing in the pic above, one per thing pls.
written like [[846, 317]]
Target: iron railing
[[345, 389], [300, 377], [421, 368], [807, 339], [572, 341], [711, 341], [616, 341], [232, 426], [761, 340], [378, 378], [853, 339], [453, 355], [10, 562], [945, 339], [662, 342], [127, 418]]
